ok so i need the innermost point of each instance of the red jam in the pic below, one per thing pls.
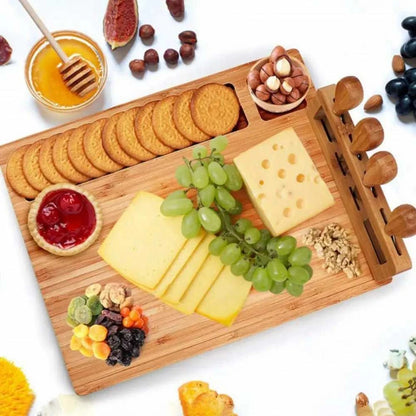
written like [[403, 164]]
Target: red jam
[[65, 218]]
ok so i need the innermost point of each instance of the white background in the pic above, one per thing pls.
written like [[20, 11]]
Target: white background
[[314, 365]]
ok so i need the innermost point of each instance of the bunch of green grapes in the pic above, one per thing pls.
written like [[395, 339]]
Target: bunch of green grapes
[[270, 263], [401, 393]]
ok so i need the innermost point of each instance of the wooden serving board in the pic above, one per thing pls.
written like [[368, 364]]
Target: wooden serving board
[[174, 336]]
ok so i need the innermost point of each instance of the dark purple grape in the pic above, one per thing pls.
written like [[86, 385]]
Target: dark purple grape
[[135, 352], [111, 361], [396, 88], [409, 23], [404, 106], [113, 341], [126, 345], [410, 75], [114, 316], [412, 90], [403, 52], [409, 48], [126, 361]]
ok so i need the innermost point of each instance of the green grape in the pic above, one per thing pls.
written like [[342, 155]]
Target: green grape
[[392, 392], [218, 144], [272, 246], [200, 177], [224, 198], [293, 288], [284, 260], [264, 239], [277, 287], [218, 157], [286, 245], [301, 256], [199, 152], [217, 245], [175, 207], [404, 376], [216, 173], [298, 275], [238, 208], [183, 176], [207, 195], [177, 194], [234, 180], [249, 275], [277, 271], [191, 226], [262, 282], [230, 254], [241, 266], [252, 235], [242, 225], [309, 270], [403, 409], [209, 219]]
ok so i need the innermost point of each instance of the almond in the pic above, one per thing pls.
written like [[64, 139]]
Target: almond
[[373, 103], [398, 64]]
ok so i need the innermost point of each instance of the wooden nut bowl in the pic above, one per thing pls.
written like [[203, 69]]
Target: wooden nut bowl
[[275, 108]]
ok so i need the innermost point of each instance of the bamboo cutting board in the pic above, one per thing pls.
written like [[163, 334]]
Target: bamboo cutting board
[[173, 336]]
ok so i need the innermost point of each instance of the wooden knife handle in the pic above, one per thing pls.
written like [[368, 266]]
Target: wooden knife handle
[[367, 135], [402, 221], [348, 94], [381, 168]]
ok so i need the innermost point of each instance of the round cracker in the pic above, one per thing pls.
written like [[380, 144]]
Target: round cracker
[[183, 118], [31, 167], [62, 162], [93, 146], [215, 109], [127, 138], [164, 125], [145, 133], [112, 146], [46, 162], [77, 154], [16, 177]]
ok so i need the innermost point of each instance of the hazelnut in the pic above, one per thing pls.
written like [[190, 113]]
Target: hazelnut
[[253, 79], [293, 96], [262, 93], [146, 31], [187, 51], [188, 36], [287, 86], [171, 56], [266, 71], [278, 98], [303, 84], [272, 84], [151, 57], [137, 65], [296, 72], [277, 52], [283, 67]]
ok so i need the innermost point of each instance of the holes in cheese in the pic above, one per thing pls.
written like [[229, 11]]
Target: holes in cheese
[[300, 178], [265, 164], [291, 158], [281, 173]]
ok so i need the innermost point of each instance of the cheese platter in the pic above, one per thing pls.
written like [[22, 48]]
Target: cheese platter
[[324, 131]]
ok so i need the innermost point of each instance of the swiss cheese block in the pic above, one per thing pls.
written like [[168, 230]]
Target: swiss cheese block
[[202, 282], [177, 265], [143, 243], [283, 183], [179, 286], [226, 298]]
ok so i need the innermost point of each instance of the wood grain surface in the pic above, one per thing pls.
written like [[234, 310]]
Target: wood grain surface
[[173, 336]]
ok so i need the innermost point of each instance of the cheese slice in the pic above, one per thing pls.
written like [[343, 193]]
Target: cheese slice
[[202, 282], [143, 243], [282, 181], [179, 286], [177, 265], [226, 298]]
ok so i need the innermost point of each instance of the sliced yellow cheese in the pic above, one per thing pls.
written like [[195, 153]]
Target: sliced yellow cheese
[[282, 181], [143, 243], [226, 298], [179, 286], [202, 282], [177, 265]]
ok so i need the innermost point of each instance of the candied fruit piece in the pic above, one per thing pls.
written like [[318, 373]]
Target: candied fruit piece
[[75, 343], [98, 333], [86, 352], [101, 350], [80, 331]]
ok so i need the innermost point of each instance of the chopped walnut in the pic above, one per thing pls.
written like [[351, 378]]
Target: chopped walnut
[[332, 244]]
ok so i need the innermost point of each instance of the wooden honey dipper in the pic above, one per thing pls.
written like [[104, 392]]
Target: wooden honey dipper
[[77, 75]]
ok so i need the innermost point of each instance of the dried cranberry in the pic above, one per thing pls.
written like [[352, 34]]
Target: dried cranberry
[[50, 214], [71, 202]]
